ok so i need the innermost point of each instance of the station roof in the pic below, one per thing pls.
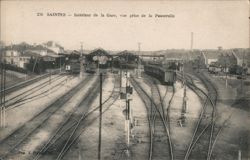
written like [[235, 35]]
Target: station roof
[[99, 52], [127, 56]]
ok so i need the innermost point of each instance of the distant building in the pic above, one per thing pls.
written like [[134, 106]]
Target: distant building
[[25, 57], [11, 57], [227, 60], [19, 55], [240, 55], [18, 59]]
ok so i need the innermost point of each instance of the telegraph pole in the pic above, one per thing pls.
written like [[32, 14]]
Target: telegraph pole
[[2, 98], [60, 64], [128, 112], [120, 74], [191, 44], [100, 121], [192, 41], [81, 61], [242, 74], [4, 85], [226, 71]]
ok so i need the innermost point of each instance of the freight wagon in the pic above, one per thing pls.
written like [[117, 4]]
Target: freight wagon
[[165, 76]]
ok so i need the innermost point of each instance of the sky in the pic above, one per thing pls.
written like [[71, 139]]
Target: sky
[[213, 23]]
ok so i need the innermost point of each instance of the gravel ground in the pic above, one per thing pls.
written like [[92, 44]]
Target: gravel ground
[[236, 133], [182, 124]]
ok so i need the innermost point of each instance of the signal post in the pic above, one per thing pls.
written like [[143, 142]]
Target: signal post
[[125, 94]]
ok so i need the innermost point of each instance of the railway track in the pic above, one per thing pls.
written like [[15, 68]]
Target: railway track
[[204, 135], [26, 83], [150, 113], [158, 100], [32, 93], [69, 131], [11, 142], [212, 96], [53, 88], [69, 125], [30, 90], [158, 122]]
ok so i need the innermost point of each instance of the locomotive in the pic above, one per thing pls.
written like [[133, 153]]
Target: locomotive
[[72, 66], [165, 76]]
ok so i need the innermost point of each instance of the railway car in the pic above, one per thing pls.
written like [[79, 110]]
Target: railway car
[[165, 76], [72, 66], [91, 68]]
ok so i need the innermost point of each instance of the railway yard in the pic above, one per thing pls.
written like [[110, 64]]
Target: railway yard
[[58, 117], [124, 80]]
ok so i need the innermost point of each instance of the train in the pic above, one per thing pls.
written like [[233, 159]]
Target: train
[[72, 66], [91, 68], [166, 76]]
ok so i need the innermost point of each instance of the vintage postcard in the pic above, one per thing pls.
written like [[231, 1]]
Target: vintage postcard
[[114, 80]]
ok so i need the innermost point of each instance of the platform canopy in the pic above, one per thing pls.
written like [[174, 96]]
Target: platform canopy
[[98, 54], [126, 56]]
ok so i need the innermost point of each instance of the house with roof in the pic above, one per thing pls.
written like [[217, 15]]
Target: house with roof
[[241, 56], [39, 49], [227, 59], [11, 56], [25, 57], [17, 58]]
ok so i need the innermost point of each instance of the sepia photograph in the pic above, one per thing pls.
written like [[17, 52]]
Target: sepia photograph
[[124, 80]]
